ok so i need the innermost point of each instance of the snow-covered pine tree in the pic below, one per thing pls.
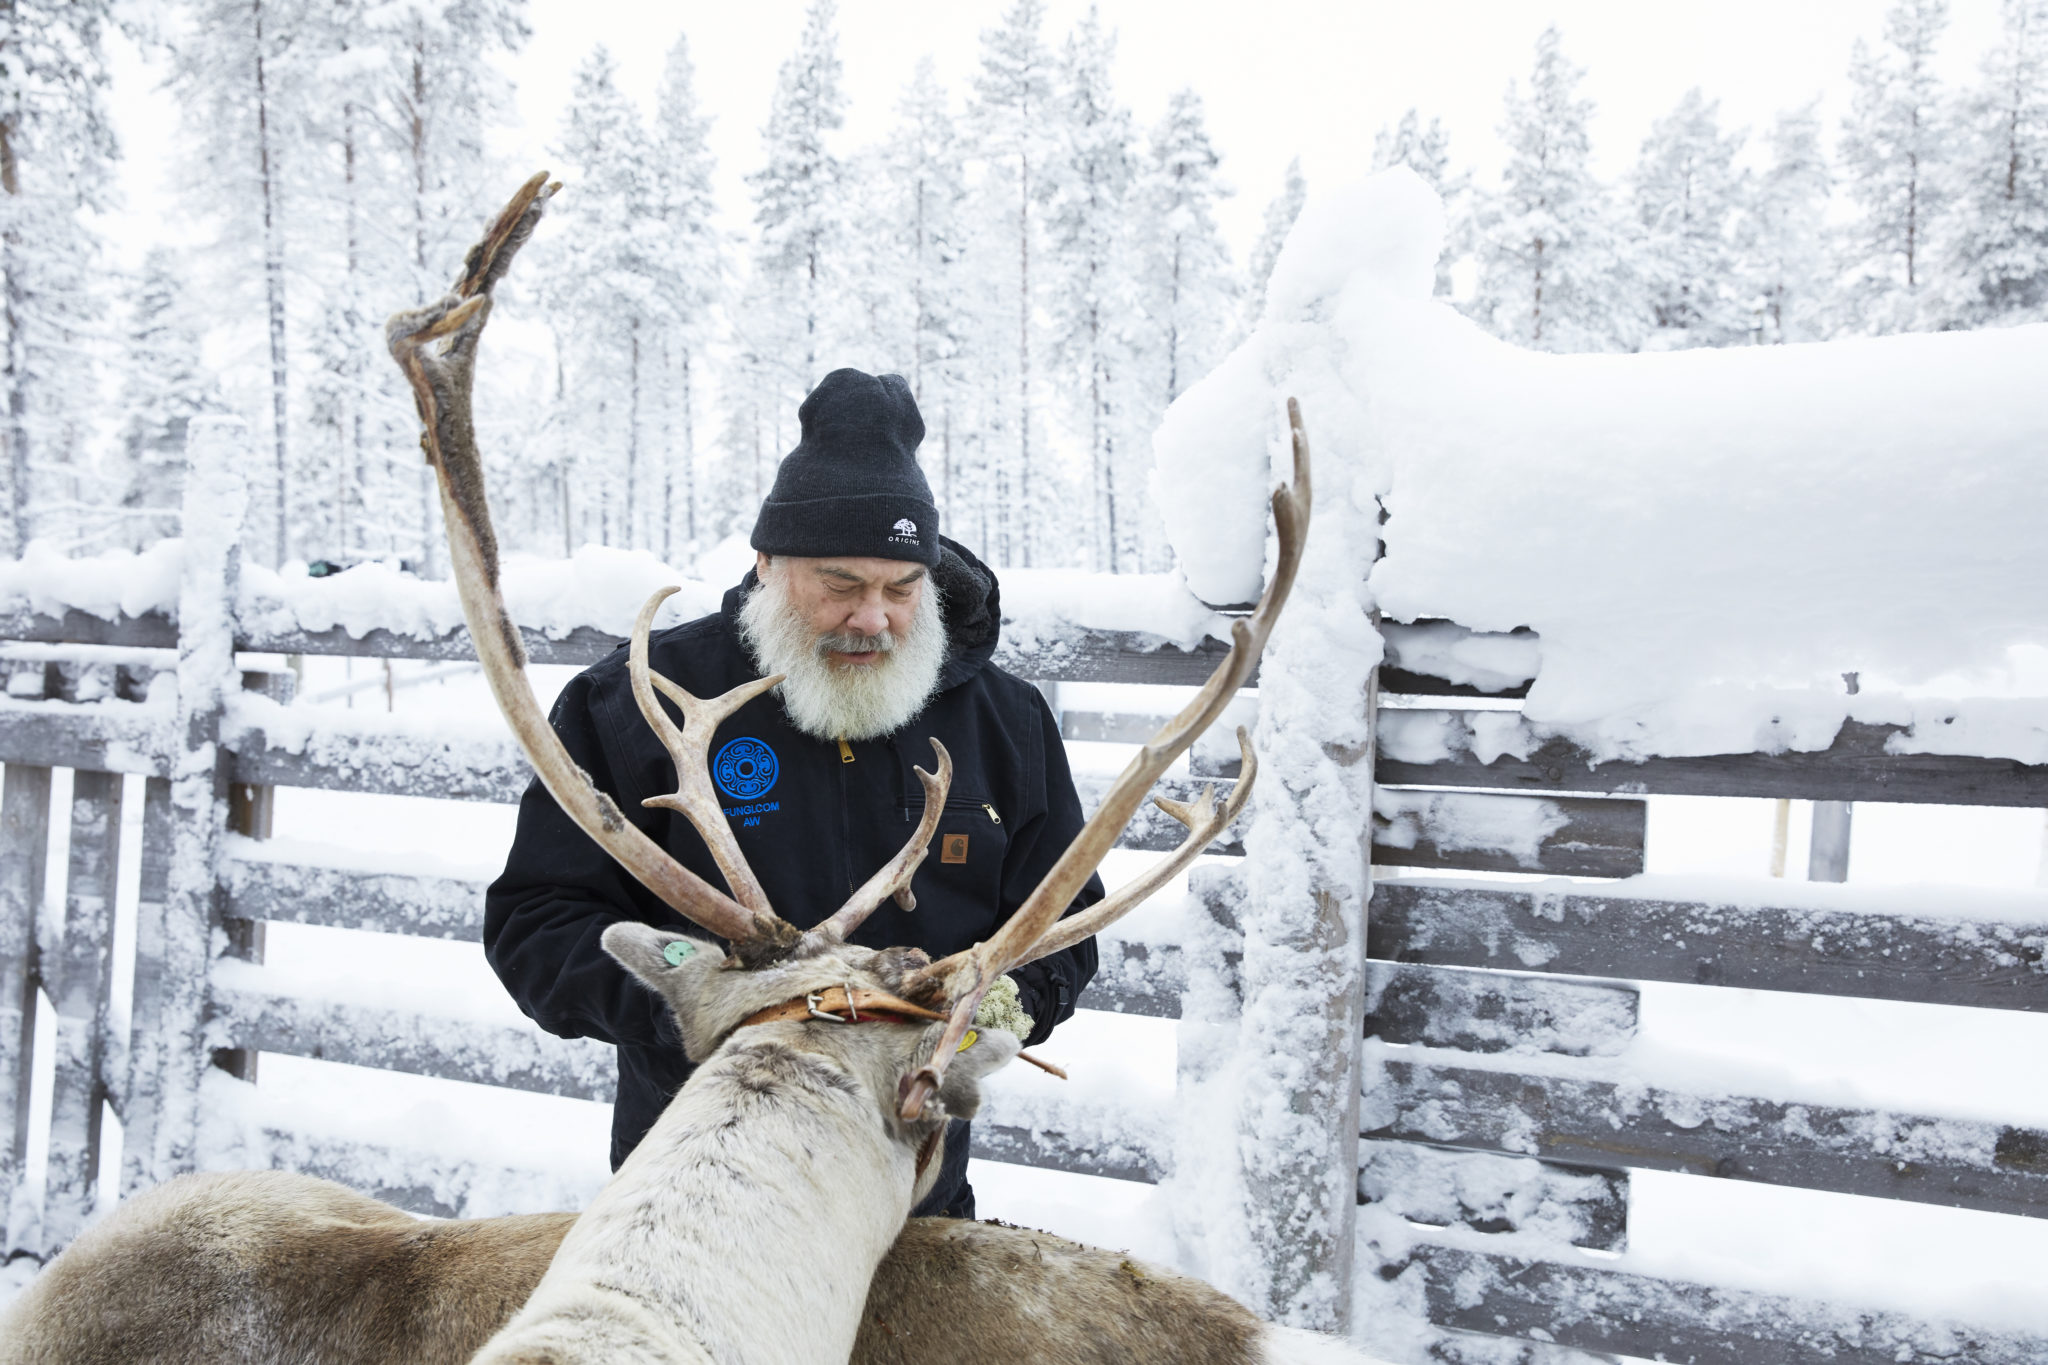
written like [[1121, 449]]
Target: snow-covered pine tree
[[1781, 234], [1427, 152], [437, 90], [1997, 250], [1552, 261], [56, 153], [1009, 120], [1188, 287], [911, 246], [606, 281], [165, 384], [692, 286], [245, 92], [1281, 211], [338, 393], [800, 209], [1894, 143], [1686, 190], [1088, 217]]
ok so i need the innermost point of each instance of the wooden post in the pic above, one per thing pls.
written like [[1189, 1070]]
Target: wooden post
[[251, 810], [76, 957], [1279, 1211], [135, 1098], [1781, 835], [24, 854], [1829, 859], [216, 499]]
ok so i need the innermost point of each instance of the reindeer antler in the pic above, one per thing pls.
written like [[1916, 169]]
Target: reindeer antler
[[1206, 821], [963, 978], [436, 347]]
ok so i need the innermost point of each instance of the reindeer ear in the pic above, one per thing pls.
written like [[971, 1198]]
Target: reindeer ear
[[652, 954], [960, 1091]]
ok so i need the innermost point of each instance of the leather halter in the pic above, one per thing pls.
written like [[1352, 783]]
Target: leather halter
[[859, 1005], [844, 1005]]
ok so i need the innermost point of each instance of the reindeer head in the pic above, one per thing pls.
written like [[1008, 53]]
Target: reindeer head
[[768, 961], [713, 1003]]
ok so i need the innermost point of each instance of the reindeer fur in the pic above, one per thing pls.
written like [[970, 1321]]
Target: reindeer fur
[[274, 1268], [270, 1268], [775, 1180]]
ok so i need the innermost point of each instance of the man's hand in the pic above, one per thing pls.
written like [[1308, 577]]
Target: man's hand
[[1001, 1008]]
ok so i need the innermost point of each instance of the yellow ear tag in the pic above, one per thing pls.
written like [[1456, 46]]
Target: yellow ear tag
[[678, 951], [968, 1041]]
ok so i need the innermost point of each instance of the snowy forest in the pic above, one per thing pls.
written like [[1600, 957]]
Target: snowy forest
[[1041, 262]]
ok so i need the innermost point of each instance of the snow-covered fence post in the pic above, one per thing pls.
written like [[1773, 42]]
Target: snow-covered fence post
[[75, 953], [250, 811], [216, 497], [1308, 876], [135, 1082], [1272, 1024], [24, 852]]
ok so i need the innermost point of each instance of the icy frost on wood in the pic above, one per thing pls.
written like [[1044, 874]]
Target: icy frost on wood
[[1581, 1116], [215, 500], [1496, 1012], [24, 853], [1268, 1143], [75, 954], [1976, 949], [1595, 1308], [247, 1012], [1495, 1194], [1469, 831], [1898, 756]]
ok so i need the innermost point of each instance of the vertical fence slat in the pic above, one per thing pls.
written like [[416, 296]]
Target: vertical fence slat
[[251, 810], [137, 1100], [24, 853], [1829, 859], [76, 969], [215, 500]]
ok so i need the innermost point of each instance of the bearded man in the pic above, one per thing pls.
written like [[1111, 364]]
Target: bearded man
[[884, 630]]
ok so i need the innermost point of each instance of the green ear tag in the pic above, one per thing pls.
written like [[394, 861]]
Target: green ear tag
[[678, 952]]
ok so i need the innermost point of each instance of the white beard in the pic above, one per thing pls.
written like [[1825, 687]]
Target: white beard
[[832, 701]]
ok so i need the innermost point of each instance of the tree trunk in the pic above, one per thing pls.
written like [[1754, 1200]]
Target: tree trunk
[[632, 527], [689, 453], [273, 288], [1024, 352], [17, 344], [352, 470]]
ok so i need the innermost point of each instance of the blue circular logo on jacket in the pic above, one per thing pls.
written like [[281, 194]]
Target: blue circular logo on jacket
[[744, 769]]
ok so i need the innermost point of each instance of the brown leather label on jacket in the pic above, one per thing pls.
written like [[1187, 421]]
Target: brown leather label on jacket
[[953, 849]]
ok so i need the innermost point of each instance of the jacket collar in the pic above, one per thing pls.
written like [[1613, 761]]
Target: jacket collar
[[970, 606]]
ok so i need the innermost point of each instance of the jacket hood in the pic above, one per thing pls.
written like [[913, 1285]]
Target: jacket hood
[[970, 604]]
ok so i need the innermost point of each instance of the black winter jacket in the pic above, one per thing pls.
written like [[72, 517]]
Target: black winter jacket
[[812, 827]]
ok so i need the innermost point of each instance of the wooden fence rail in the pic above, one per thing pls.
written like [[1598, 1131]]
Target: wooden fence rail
[[1498, 1015]]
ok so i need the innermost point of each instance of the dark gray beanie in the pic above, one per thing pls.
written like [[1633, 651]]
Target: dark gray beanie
[[852, 485]]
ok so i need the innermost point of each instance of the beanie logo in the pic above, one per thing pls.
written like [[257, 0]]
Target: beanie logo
[[904, 532]]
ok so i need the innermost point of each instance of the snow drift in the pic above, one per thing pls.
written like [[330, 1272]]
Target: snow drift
[[1707, 542]]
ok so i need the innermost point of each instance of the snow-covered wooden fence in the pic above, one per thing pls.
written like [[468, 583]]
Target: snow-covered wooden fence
[[1495, 1013]]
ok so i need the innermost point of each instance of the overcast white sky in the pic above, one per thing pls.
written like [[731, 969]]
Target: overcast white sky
[[1315, 78]]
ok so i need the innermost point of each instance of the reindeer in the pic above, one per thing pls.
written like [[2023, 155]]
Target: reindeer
[[751, 1222]]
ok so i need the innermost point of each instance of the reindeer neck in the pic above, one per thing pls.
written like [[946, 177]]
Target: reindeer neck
[[753, 1214]]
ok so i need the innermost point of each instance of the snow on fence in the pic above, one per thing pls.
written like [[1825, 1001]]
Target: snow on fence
[[1495, 1012]]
